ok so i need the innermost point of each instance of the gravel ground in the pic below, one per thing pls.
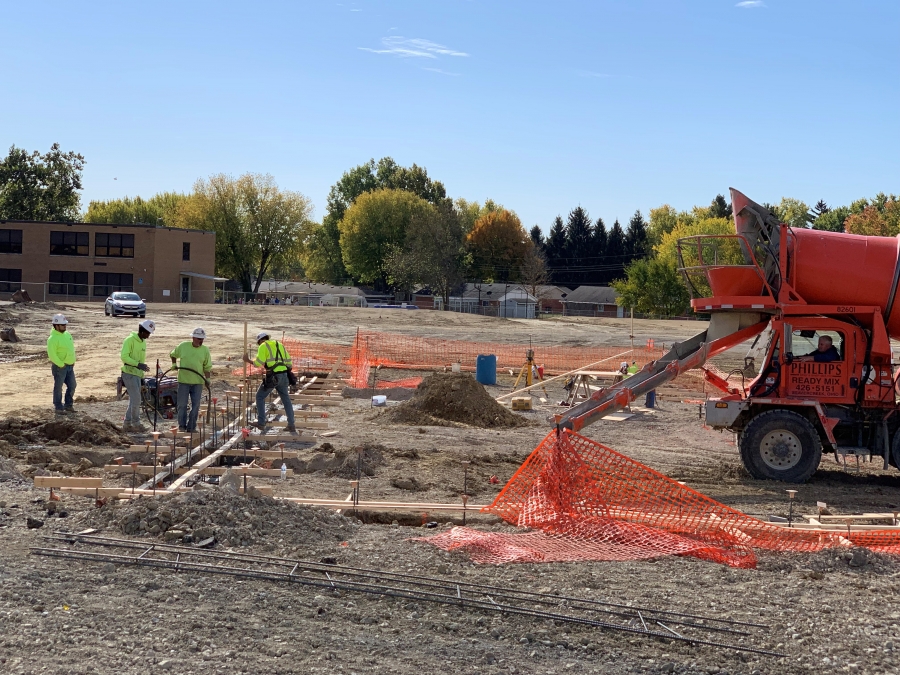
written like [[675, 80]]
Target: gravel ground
[[829, 612]]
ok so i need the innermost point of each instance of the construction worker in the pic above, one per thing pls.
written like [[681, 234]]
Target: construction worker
[[272, 356], [134, 353], [61, 351], [633, 368], [194, 369]]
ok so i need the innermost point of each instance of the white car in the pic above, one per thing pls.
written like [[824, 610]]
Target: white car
[[122, 303]]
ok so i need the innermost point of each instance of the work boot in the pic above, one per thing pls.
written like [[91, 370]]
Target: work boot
[[60, 411], [69, 409], [291, 429], [137, 427], [257, 425]]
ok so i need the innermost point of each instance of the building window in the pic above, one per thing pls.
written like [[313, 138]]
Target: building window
[[114, 245], [69, 243], [108, 282], [68, 283], [10, 241], [186, 251], [10, 280]]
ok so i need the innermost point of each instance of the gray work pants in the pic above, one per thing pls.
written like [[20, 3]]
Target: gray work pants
[[133, 387]]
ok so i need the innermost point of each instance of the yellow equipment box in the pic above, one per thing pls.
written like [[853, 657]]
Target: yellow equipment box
[[522, 403]]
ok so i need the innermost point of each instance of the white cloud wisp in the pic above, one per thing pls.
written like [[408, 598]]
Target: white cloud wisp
[[396, 45]]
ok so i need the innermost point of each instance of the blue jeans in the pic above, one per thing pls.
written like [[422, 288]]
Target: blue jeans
[[282, 388], [64, 375], [195, 391]]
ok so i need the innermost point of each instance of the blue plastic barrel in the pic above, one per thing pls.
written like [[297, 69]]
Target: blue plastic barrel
[[486, 369]]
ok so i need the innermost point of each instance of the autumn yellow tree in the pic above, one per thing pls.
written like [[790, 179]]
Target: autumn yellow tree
[[498, 245], [875, 221]]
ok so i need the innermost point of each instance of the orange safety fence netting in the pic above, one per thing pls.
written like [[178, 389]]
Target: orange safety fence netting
[[584, 501], [394, 350]]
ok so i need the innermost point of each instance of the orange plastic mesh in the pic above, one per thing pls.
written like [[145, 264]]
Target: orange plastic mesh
[[395, 350], [585, 501]]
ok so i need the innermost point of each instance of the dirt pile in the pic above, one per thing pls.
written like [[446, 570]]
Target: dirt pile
[[446, 398], [231, 519], [341, 463], [73, 430], [9, 472]]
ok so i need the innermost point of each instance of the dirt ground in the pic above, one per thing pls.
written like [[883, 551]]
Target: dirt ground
[[59, 616]]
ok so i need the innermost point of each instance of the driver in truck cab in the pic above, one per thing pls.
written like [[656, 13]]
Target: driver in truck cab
[[825, 353]]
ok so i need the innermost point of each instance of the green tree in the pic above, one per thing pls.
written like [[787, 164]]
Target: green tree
[[793, 212], [537, 237], [653, 286], [579, 245], [40, 187], [323, 258], [663, 220], [636, 239], [258, 226], [161, 209], [375, 227], [433, 254], [498, 244], [720, 208], [469, 212], [832, 219], [556, 248], [615, 251]]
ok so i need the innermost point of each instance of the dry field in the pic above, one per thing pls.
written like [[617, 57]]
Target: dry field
[[62, 616]]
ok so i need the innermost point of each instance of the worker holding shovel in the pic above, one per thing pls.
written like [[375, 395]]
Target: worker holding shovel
[[195, 365], [61, 351]]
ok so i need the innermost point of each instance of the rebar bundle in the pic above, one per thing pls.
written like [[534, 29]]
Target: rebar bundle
[[648, 622]]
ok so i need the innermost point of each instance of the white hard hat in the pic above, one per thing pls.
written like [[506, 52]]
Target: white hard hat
[[198, 333], [59, 320], [261, 336], [624, 364], [149, 325]]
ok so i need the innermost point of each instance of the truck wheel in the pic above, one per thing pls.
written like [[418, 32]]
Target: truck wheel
[[781, 445]]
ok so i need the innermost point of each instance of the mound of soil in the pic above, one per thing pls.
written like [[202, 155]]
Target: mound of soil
[[74, 430], [341, 463], [445, 398], [9, 472], [232, 519]]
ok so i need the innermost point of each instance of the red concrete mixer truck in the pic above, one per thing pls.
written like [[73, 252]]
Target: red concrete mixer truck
[[830, 294]]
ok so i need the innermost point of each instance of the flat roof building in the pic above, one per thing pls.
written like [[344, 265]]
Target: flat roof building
[[88, 261]]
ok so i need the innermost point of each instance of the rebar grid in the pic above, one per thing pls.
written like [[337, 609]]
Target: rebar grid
[[414, 587]]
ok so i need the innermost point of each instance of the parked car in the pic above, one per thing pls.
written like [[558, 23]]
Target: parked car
[[122, 303]]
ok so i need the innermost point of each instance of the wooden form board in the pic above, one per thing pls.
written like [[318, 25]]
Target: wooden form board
[[240, 471], [65, 481], [342, 504], [98, 493], [300, 424], [279, 437], [209, 471], [260, 454]]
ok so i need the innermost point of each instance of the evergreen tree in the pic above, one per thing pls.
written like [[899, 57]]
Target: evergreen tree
[[615, 252], [598, 253], [556, 250], [636, 239], [820, 208], [579, 242], [720, 208], [537, 237]]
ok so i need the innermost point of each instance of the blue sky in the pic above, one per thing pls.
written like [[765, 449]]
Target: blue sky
[[540, 106]]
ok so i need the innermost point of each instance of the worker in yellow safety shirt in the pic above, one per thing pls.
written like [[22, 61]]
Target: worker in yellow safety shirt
[[193, 372], [633, 368], [133, 355], [61, 352], [272, 356]]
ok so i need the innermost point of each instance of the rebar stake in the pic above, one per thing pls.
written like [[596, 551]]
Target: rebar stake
[[791, 495]]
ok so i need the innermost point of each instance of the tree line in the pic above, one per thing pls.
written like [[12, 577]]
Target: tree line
[[396, 228]]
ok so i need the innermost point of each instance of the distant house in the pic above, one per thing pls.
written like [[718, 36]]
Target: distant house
[[308, 293], [592, 301]]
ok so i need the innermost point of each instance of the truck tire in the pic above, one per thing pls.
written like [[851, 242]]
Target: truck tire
[[781, 445]]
